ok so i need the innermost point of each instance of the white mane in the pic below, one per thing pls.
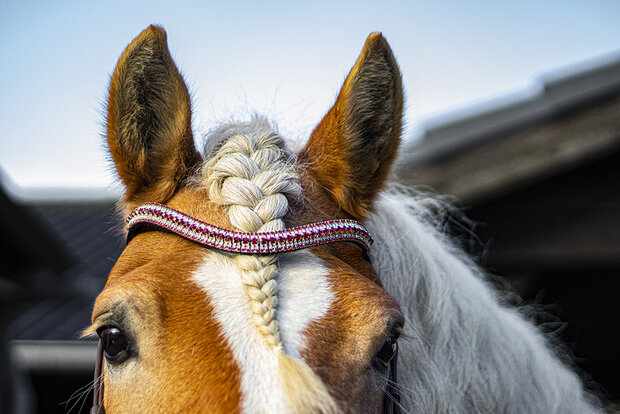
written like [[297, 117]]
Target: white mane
[[467, 353]]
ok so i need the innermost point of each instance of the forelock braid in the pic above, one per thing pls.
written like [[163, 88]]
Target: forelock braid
[[250, 173], [253, 177]]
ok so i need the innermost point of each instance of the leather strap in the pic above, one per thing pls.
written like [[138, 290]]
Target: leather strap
[[98, 383], [391, 399]]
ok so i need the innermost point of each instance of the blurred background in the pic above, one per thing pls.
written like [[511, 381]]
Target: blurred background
[[514, 108]]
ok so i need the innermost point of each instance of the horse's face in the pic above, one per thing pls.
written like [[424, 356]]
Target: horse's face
[[192, 329], [181, 309]]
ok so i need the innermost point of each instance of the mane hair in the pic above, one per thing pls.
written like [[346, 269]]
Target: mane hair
[[467, 352], [248, 171]]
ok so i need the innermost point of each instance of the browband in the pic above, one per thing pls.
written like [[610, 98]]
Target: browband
[[294, 238]]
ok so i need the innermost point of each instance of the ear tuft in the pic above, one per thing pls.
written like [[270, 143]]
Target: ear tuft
[[149, 120], [351, 150]]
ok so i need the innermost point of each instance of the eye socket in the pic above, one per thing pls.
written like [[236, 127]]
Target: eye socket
[[381, 360], [115, 344]]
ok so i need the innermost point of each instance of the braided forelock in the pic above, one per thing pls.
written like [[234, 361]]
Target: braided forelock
[[251, 175], [250, 172]]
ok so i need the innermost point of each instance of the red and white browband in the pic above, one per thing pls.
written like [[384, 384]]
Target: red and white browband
[[287, 240]]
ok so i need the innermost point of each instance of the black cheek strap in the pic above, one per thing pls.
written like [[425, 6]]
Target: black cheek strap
[[98, 383]]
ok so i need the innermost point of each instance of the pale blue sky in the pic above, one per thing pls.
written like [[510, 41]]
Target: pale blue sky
[[281, 58]]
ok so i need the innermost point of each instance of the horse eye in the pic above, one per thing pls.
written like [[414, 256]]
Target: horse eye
[[115, 345], [381, 360]]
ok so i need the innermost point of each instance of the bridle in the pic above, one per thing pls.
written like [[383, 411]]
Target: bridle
[[97, 407], [295, 238], [391, 397]]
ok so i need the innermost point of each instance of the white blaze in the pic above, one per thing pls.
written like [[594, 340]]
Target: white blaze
[[304, 296]]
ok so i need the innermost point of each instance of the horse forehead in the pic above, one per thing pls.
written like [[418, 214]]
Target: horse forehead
[[310, 294], [304, 296]]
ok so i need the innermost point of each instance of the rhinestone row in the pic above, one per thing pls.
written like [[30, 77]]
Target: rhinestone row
[[295, 238]]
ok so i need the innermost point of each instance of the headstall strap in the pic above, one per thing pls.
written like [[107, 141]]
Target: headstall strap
[[287, 240], [391, 399], [98, 383]]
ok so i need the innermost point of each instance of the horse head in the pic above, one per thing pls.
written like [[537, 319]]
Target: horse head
[[249, 282], [188, 327]]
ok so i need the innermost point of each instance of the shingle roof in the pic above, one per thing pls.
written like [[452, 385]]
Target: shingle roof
[[60, 303]]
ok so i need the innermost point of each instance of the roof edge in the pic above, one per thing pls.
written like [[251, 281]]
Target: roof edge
[[548, 94]]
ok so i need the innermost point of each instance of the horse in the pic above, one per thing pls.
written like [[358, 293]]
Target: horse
[[262, 279]]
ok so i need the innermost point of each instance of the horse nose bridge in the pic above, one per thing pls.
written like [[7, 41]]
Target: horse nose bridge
[[304, 296]]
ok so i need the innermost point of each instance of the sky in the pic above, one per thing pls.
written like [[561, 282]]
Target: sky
[[283, 59]]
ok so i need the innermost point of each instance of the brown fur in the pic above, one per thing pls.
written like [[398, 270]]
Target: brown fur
[[351, 150], [342, 344], [181, 362], [357, 321], [149, 292]]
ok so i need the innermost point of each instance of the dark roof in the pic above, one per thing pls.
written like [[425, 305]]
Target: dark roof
[[26, 244], [55, 302], [565, 117]]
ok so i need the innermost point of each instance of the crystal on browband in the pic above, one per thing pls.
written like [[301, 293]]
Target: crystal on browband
[[294, 238]]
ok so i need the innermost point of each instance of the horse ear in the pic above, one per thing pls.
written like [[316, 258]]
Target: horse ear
[[149, 121], [350, 152]]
